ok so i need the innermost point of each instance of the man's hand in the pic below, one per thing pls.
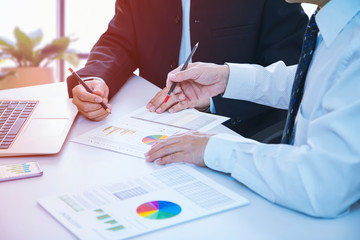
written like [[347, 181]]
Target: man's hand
[[199, 81], [88, 104], [188, 147], [175, 103]]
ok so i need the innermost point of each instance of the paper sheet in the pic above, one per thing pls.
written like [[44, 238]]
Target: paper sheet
[[135, 133], [189, 119], [164, 197]]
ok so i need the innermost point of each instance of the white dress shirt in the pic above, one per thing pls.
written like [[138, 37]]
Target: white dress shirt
[[185, 47], [320, 174]]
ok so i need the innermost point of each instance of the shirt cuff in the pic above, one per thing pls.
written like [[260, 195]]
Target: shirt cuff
[[235, 155], [241, 82], [92, 78], [219, 150]]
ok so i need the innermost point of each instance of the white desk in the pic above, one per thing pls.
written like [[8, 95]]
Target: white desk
[[78, 167]]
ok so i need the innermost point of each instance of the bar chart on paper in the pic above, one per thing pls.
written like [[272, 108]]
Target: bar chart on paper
[[127, 135], [116, 130], [160, 198], [135, 133], [110, 224]]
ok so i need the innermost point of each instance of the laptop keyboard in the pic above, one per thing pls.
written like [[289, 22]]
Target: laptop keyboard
[[13, 115]]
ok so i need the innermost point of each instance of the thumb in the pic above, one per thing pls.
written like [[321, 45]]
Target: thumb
[[99, 89], [188, 74], [171, 78]]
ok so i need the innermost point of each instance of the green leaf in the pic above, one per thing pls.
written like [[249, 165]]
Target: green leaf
[[5, 43], [72, 58], [24, 53], [53, 50], [36, 37], [24, 45], [11, 53]]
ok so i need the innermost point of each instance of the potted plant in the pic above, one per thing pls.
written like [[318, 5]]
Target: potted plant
[[30, 60]]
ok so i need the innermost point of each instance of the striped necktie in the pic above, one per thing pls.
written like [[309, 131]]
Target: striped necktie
[[307, 52]]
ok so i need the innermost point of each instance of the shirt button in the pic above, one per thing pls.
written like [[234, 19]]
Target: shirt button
[[177, 19], [233, 122]]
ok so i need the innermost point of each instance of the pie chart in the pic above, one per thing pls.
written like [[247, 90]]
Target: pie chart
[[158, 210], [149, 140]]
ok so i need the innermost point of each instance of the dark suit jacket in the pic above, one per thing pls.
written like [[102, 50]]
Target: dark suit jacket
[[146, 34]]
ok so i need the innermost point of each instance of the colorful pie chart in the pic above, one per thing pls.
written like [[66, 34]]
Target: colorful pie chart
[[149, 140], [158, 210]]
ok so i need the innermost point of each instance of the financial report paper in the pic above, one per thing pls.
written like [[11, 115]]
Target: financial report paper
[[135, 133], [165, 196]]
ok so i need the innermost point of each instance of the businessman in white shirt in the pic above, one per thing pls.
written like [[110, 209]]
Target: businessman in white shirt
[[316, 170]]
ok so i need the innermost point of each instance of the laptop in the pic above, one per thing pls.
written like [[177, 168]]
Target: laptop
[[34, 127]]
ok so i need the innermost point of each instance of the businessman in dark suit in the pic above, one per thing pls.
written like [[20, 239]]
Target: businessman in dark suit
[[147, 35]]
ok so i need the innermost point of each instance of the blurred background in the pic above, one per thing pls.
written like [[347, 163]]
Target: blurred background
[[81, 20]]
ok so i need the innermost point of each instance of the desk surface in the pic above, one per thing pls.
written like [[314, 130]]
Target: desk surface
[[78, 167]]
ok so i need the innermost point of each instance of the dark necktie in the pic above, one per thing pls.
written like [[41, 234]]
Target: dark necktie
[[297, 91]]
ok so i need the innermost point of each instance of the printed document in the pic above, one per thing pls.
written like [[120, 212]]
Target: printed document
[[135, 133], [165, 196]]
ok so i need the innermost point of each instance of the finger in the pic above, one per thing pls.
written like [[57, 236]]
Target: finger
[[172, 158], [171, 75], [98, 87], [188, 74], [178, 69], [156, 101], [84, 96], [100, 90], [162, 152], [156, 149], [164, 143], [103, 114], [173, 100], [102, 117], [179, 106], [85, 106], [177, 90], [95, 115]]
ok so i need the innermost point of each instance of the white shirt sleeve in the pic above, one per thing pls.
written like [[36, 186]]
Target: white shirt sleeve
[[320, 175], [92, 78], [255, 83]]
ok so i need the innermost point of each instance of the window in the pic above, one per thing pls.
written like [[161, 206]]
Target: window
[[86, 24], [29, 16], [83, 20]]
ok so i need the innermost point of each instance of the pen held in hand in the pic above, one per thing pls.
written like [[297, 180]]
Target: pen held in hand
[[182, 69], [87, 88]]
